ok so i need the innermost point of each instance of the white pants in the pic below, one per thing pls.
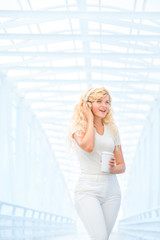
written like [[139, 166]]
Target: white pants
[[97, 200]]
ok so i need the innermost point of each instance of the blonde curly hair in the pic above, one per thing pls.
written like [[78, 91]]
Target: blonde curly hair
[[79, 122]]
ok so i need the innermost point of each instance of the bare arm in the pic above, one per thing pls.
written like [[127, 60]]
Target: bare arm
[[119, 167], [86, 140]]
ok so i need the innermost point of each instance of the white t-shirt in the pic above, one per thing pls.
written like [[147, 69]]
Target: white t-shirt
[[90, 162]]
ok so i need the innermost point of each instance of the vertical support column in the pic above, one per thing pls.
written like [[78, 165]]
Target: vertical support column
[[5, 139], [154, 153]]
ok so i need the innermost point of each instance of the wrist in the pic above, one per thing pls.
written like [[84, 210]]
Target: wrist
[[90, 120], [113, 170], [117, 169]]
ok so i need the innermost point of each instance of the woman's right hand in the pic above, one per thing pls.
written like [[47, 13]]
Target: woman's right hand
[[87, 112], [86, 139]]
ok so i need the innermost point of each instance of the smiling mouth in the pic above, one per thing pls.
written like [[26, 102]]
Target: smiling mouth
[[102, 111]]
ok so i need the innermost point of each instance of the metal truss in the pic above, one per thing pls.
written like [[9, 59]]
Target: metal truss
[[51, 56]]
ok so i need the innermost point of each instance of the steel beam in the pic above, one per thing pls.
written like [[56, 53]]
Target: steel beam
[[128, 89], [54, 15], [57, 55], [113, 22], [82, 37], [131, 80], [79, 68]]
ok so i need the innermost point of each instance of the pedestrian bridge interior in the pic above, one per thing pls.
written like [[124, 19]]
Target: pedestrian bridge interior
[[51, 52]]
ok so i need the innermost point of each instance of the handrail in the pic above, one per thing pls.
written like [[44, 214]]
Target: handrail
[[145, 225], [17, 223], [154, 212]]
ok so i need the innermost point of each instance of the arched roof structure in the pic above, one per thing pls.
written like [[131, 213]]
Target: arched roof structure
[[51, 51]]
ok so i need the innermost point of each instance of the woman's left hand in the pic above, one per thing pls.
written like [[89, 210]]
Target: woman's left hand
[[112, 163]]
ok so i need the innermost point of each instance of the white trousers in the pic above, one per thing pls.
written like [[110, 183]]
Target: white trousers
[[97, 201]]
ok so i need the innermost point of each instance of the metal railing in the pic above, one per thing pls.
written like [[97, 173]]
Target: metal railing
[[20, 223], [144, 226]]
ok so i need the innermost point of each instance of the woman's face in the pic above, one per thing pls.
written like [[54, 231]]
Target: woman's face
[[101, 106]]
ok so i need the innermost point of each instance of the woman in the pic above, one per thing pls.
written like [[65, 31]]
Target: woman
[[97, 193]]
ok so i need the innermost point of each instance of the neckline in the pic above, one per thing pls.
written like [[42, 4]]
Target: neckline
[[98, 133]]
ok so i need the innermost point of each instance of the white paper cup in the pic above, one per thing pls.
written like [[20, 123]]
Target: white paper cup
[[106, 156]]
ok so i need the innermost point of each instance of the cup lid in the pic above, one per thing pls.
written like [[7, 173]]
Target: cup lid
[[111, 153]]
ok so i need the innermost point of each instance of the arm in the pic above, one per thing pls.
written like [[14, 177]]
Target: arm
[[119, 160], [86, 140]]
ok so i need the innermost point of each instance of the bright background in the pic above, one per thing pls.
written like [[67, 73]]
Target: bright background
[[51, 52]]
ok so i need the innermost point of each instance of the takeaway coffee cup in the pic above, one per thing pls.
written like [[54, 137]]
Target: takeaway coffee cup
[[106, 156]]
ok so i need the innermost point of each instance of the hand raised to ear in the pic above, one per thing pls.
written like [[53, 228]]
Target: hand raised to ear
[[87, 112]]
